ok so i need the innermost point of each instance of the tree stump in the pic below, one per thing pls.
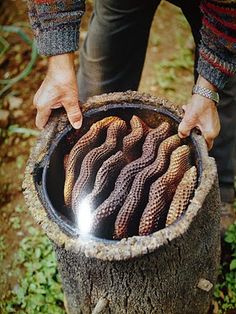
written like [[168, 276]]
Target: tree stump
[[170, 271]]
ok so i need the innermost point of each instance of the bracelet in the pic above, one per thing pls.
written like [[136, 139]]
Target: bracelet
[[206, 92]]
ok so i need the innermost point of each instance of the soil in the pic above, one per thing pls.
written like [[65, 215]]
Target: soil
[[164, 41]]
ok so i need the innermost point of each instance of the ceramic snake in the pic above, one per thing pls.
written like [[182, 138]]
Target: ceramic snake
[[112, 204], [162, 191], [110, 169], [140, 186], [79, 151], [93, 161]]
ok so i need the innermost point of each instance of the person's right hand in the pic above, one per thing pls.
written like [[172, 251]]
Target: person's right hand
[[59, 89]]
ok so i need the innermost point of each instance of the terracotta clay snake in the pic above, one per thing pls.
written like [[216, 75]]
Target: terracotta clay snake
[[132, 143], [183, 194], [117, 179], [91, 139], [93, 160], [110, 169], [141, 184], [162, 191], [112, 204]]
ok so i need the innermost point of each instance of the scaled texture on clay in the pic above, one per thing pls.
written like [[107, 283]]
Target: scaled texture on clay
[[130, 178]]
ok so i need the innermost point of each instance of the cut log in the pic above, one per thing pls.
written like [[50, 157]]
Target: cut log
[[171, 271]]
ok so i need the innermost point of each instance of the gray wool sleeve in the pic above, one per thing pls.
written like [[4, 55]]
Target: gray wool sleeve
[[56, 25]]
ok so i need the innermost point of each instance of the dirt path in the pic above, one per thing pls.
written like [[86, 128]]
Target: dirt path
[[162, 75]]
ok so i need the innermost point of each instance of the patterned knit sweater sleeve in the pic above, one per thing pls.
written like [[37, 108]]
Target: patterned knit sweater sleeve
[[217, 61], [55, 24]]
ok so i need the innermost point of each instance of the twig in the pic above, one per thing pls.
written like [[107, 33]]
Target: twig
[[5, 45], [17, 30], [24, 73], [10, 82], [13, 129]]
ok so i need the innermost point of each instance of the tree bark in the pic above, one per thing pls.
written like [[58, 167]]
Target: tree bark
[[165, 281], [171, 271]]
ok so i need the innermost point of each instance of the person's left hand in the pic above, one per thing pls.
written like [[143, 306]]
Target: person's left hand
[[201, 113]]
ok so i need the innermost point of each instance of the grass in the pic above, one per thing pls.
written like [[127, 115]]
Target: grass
[[2, 248], [167, 70], [225, 290], [38, 289]]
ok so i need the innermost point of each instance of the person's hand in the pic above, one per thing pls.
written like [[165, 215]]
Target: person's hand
[[201, 113], [59, 89]]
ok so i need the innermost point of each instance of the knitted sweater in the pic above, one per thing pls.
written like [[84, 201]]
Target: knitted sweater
[[56, 28]]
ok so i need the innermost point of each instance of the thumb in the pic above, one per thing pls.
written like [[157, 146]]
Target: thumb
[[74, 114], [184, 128]]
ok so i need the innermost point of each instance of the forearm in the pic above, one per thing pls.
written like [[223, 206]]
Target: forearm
[[56, 25], [217, 61], [62, 63]]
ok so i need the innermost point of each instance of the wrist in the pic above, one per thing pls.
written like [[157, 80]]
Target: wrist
[[206, 89], [206, 93], [202, 102], [61, 63], [205, 83]]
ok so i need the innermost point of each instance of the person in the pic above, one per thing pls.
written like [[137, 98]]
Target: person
[[112, 59]]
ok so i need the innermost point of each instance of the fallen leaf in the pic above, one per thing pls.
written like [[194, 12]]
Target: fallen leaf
[[14, 102]]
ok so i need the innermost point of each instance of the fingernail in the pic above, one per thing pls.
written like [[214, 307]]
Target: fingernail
[[77, 124]]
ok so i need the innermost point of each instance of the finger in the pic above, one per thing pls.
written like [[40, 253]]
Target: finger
[[42, 117], [184, 128], [209, 138], [208, 135], [210, 143], [35, 99], [74, 114]]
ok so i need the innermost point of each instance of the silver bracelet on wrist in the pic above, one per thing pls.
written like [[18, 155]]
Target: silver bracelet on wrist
[[206, 92]]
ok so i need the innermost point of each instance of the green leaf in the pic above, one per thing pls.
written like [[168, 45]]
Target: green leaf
[[37, 253], [230, 238], [19, 292], [232, 266]]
